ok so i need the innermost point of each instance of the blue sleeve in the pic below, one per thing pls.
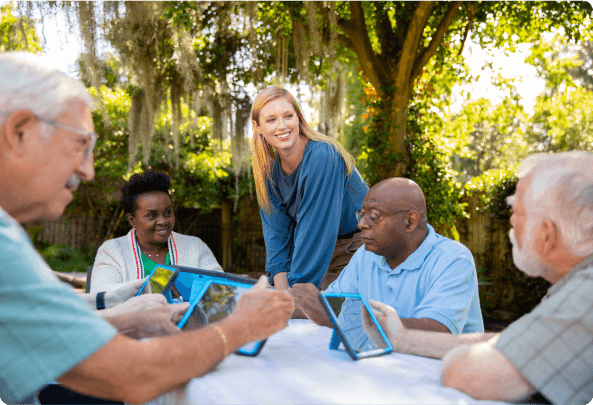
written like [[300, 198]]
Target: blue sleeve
[[45, 328], [323, 179], [277, 228], [450, 295]]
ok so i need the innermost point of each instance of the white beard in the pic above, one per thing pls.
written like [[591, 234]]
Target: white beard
[[526, 259]]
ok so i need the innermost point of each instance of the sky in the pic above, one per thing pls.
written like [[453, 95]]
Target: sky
[[513, 65], [62, 50]]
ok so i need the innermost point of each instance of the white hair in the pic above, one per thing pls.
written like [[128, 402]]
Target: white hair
[[561, 190], [26, 83]]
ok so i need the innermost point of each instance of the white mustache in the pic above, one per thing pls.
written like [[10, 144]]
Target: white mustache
[[73, 182]]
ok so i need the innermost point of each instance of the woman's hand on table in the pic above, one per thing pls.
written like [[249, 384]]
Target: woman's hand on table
[[306, 298], [262, 311]]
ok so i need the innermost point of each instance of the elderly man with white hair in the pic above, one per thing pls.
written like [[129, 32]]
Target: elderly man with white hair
[[47, 332], [550, 349]]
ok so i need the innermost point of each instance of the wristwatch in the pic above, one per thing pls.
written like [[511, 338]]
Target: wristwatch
[[101, 300]]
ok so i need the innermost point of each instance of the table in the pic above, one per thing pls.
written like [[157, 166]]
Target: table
[[296, 367]]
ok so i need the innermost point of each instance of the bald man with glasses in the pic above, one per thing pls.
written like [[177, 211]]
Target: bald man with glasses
[[431, 280]]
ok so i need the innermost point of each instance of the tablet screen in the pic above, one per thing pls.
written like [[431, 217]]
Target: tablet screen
[[159, 279], [349, 315], [217, 303]]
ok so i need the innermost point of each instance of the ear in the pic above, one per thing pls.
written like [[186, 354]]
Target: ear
[[411, 219], [546, 238], [18, 125], [131, 220], [256, 127]]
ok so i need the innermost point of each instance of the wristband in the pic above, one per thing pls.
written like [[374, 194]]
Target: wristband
[[223, 337], [101, 300]]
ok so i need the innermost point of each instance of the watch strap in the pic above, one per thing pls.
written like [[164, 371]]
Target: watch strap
[[101, 300]]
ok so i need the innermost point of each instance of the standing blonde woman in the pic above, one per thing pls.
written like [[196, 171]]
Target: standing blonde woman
[[308, 190]]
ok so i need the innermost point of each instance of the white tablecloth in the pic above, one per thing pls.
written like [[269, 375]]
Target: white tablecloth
[[296, 366]]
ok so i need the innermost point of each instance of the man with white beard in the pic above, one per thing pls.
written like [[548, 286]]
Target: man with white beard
[[549, 351]]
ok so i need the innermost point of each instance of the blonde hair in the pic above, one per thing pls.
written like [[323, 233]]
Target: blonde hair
[[263, 154]]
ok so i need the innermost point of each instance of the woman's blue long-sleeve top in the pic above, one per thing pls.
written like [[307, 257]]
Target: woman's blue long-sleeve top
[[309, 209]]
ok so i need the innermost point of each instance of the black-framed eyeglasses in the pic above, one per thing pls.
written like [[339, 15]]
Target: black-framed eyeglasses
[[92, 136], [372, 217]]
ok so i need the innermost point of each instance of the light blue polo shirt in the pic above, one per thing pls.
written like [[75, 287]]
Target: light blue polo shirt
[[437, 281], [45, 328]]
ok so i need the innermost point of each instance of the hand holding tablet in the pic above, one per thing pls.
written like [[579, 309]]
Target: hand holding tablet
[[358, 341], [217, 295]]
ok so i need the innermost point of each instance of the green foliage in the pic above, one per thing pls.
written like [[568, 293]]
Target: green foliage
[[63, 258], [562, 115], [17, 33], [428, 168], [515, 22], [427, 164], [376, 150], [483, 136], [200, 182], [562, 122], [493, 187]]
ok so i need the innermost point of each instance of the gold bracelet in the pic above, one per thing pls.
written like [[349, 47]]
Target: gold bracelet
[[223, 337]]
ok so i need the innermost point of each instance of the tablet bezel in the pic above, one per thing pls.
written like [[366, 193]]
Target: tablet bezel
[[338, 334]]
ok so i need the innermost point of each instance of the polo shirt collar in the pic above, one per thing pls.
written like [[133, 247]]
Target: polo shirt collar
[[416, 259]]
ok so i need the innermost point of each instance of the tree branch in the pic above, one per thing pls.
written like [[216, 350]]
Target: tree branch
[[344, 40], [385, 32], [471, 12], [437, 38], [412, 39], [356, 31]]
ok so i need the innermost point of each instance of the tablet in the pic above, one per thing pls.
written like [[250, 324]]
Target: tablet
[[161, 281], [215, 299], [344, 312]]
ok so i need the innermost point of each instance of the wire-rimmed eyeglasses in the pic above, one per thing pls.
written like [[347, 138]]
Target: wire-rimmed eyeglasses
[[372, 217], [92, 136]]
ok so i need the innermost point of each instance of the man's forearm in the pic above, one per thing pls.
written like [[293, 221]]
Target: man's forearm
[[148, 369], [483, 372], [433, 344], [425, 324]]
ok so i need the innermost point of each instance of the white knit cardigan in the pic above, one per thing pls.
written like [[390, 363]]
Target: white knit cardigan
[[118, 260]]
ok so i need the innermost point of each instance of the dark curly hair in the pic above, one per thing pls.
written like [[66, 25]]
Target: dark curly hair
[[141, 183]]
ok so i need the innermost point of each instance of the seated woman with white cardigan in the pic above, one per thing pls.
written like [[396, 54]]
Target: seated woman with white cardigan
[[147, 204]]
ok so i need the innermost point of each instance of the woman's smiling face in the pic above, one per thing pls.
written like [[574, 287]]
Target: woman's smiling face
[[154, 218], [279, 124]]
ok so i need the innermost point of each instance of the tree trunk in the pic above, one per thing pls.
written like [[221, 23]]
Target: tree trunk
[[398, 105]]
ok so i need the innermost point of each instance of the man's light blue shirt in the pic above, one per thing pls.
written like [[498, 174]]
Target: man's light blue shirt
[[437, 281], [45, 328]]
